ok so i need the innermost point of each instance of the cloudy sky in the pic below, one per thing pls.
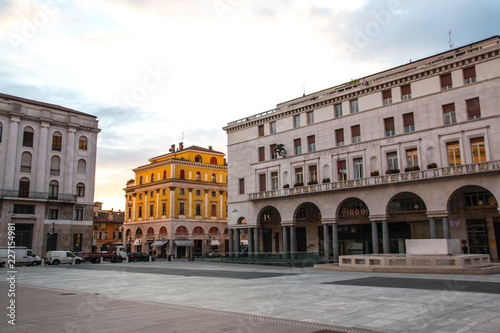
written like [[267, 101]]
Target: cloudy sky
[[157, 72]]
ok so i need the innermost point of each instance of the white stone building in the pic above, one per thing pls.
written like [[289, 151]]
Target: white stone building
[[47, 173], [410, 152]]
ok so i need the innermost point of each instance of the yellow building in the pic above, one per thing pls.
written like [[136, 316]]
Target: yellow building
[[107, 228], [178, 203]]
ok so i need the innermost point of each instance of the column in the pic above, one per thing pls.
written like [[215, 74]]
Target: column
[[172, 202], [237, 242], [146, 206], [446, 228], [293, 241], [326, 241], [221, 205], [42, 159], [231, 242], [157, 204], [250, 241], [375, 237], [335, 242], [70, 162], [206, 204], [11, 156], [385, 237], [257, 240], [190, 206], [133, 217], [285, 239], [432, 227]]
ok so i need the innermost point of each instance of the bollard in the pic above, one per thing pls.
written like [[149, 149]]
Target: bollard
[[42, 262], [102, 259], [73, 261], [150, 259], [126, 259]]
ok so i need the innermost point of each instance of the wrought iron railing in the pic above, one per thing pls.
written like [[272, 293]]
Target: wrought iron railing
[[37, 195]]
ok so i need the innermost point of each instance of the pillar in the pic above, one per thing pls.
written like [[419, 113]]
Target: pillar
[[41, 164], [432, 227], [335, 242], [11, 155], [293, 240], [285, 239], [375, 237], [69, 187], [446, 228], [385, 237], [250, 240], [257, 240], [231, 242], [237, 242], [326, 241]]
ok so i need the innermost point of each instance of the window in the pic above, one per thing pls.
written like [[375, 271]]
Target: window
[[151, 210], [392, 161], [164, 208], [53, 213], [354, 106], [130, 213], [453, 153], [198, 209], [82, 143], [262, 153], [272, 127], [26, 162], [356, 134], [272, 150], [198, 193], [469, 75], [261, 130], [449, 114], [181, 230], [28, 137], [342, 169], [301, 213], [297, 146], [56, 141], [1, 128], [139, 212], [408, 122], [198, 175], [446, 81], [387, 97], [299, 176], [181, 191], [339, 136], [214, 194], [214, 178], [412, 158], [24, 209], [78, 214], [405, 92], [198, 158], [181, 208], [310, 118], [313, 173], [81, 167], [140, 196], [311, 143], [152, 177], [182, 174], [358, 168], [473, 109], [80, 190], [241, 181], [213, 160], [262, 182], [53, 189], [478, 150], [164, 191], [296, 121], [389, 126], [140, 180], [77, 242], [164, 174], [214, 210], [274, 181], [338, 110]]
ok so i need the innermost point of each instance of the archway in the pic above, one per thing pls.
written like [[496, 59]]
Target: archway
[[269, 222], [354, 227], [308, 228]]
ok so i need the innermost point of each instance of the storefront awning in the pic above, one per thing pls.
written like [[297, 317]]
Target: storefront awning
[[183, 242], [214, 242], [159, 242], [244, 242], [138, 242]]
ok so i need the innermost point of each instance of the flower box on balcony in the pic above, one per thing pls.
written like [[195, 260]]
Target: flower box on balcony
[[298, 184], [374, 173], [391, 171], [313, 182], [286, 186], [326, 180], [414, 168], [432, 166]]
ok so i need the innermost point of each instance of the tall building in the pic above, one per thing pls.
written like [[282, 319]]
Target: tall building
[[177, 203], [47, 174], [107, 229], [410, 152]]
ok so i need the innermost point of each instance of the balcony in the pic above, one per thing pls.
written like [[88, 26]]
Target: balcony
[[437, 173], [40, 196]]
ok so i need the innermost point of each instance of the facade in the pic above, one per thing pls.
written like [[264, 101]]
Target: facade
[[411, 152], [107, 228], [47, 173], [177, 203]]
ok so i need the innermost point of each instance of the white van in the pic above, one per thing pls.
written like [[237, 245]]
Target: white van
[[23, 256], [61, 257]]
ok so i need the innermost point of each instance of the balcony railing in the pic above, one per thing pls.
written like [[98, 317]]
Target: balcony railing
[[493, 166], [37, 195]]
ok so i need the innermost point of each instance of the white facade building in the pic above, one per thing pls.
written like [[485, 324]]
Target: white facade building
[[410, 152], [47, 173]]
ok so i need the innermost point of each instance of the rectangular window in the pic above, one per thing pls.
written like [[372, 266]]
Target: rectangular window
[[151, 210], [469, 75], [77, 242], [214, 194], [478, 150], [446, 81], [409, 122], [262, 152], [311, 143], [299, 176], [261, 130], [387, 97], [130, 213], [389, 126], [262, 182], [53, 214], [27, 139], [197, 209], [354, 106], [78, 214], [297, 146], [310, 118], [164, 191], [139, 212], [342, 169], [272, 127], [411, 158], [272, 150], [152, 193], [453, 153], [358, 168], [338, 110], [339, 137], [473, 109], [449, 114], [181, 191], [313, 173], [242, 185], [356, 134], [296, 121], [182, 208], [213, 210], [392, 161], [24, 209], [56, 143], [164, 208], [274, 181], [198, 193], [405, 92]]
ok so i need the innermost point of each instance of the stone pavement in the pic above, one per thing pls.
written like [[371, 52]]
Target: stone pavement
[[182, 296]]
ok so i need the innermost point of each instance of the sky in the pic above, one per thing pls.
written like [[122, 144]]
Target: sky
[[160, 72]]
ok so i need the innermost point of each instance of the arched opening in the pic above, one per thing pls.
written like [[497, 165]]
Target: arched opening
[[24, 187], [307, 221], [53, 189], [213, 160], [150, 231], [198, 175], [163, 231], [198, 159], [269, 221], [181, 230], [182, 174], [26, 162], [82, 143], [198, 230], [353, 227], [56, 141], [82, 167]]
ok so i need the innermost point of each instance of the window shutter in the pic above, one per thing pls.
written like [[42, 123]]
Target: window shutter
[[262, 182], [342, 165], [408, 119], [386, 94], [449, 107], [261, 154], [445, 80], [405, 90], [261, 130], [469, 72], [311, 139], [296, 142], [312, 168], [339, 135], [356, 131], [389, 124], [473, 107], [477, 140]]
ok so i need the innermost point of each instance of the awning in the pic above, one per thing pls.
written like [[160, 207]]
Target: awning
[[214, 242], [138, 242], [244, 242], [159, 242], [179, 242]]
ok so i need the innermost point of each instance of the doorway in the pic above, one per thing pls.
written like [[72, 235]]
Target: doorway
[[301, 239], [24, 235], [478, 236]]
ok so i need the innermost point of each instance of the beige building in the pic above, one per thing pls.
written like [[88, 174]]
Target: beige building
[[411, 152], [47, 173]]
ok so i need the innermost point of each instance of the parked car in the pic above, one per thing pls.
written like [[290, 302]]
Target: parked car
[[22, 256], [214, 254], [62, 257], [139, 256]]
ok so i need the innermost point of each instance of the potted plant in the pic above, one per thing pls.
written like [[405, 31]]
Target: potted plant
[[312, 182], [432, 166], [374, 173], [391, 171], [286, 186], [298, 184], [326, 180], [413, 168]]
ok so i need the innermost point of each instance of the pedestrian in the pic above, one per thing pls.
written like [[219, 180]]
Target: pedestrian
[[465, 249], [154, 253]]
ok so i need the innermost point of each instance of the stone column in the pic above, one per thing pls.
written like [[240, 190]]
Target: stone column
[[231, 242], [326, 241], [257, 240], [221, 205], [11, 155], [190, 206], [42, 159], [69, 187], [250, 240], [446, 228], [293, 240], [157, 204], [285, 239], [172, 202], [206, 204], [335, 242], [432, 227], [237, 242], [375, 237], [385, 237]]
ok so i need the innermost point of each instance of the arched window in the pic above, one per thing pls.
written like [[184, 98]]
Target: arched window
[[24, 187], [26, 162], [140, 180], [138, 231], [164, 174], [213, 230], [181, 230], [56, 141], [214, 178], [128, 233], [80, 190], [198, 230], [163, 230], [152, 177], [182, 174], [82, 167], [213, 160], [53, 189], [198, 175], [151, 231], [55, 166], [82, 143], [28, 135], [198, 159]]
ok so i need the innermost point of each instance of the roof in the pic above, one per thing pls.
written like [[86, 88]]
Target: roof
[[195, 148]]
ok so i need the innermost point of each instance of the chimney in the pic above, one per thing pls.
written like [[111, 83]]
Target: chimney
[[181, 145], [210, 147], [172, 148]]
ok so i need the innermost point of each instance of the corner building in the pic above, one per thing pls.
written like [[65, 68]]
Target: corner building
[[47, 175], [177, 203], [411, 152]]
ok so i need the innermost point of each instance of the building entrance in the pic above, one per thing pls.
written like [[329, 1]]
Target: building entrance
[[267, 239], [478, 236], [24, 235], [497, 235], [301, 239]]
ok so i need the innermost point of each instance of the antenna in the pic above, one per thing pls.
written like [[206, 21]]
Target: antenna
[[304, 89], [450, 43]]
